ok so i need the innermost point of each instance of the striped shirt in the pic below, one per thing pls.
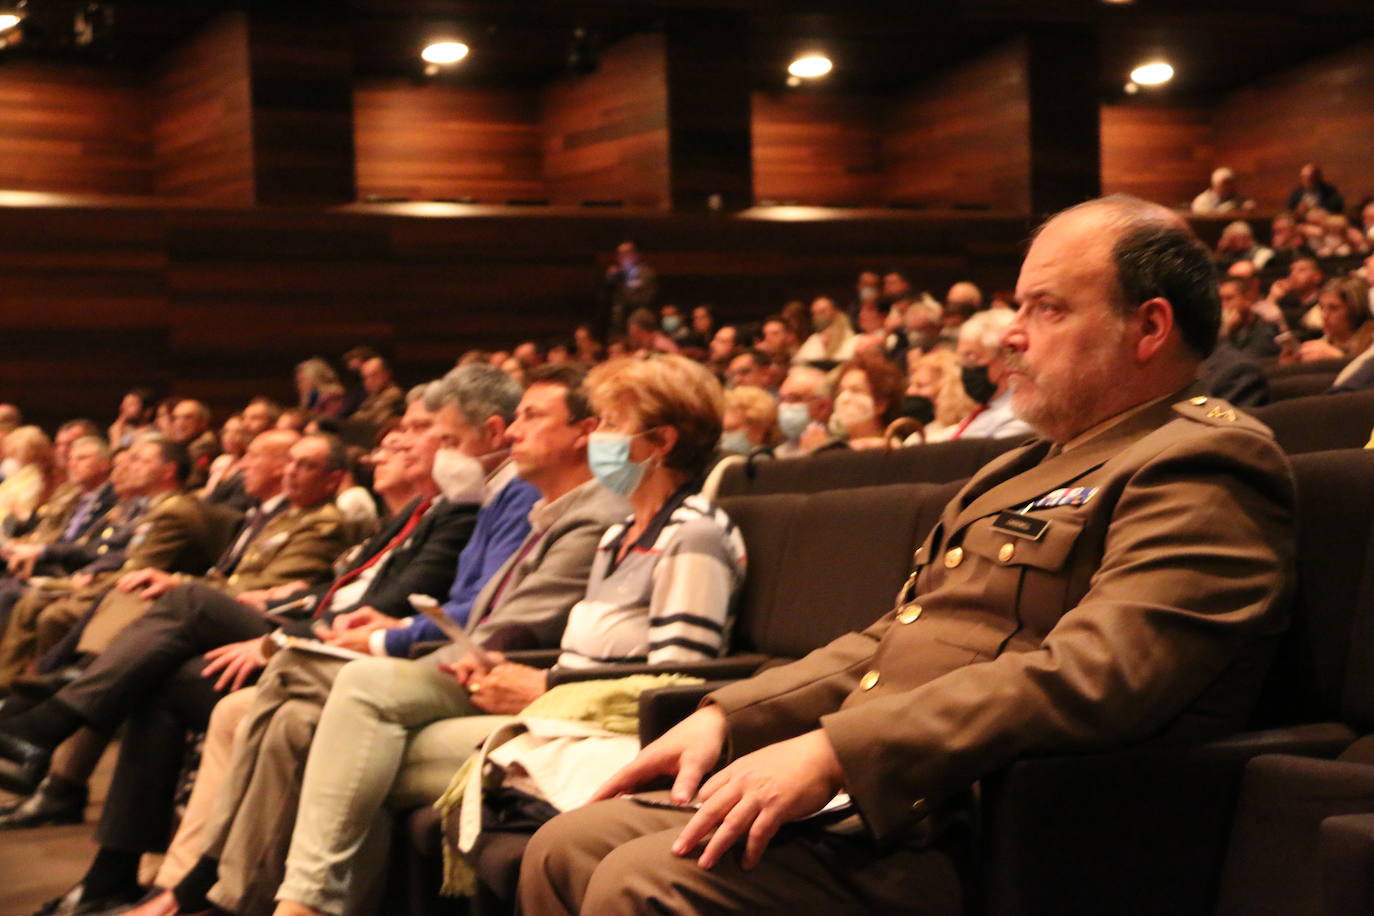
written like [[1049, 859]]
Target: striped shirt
[[671, 599]]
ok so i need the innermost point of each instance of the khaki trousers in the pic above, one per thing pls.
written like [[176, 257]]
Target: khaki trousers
[[379, 742], [613, 859]]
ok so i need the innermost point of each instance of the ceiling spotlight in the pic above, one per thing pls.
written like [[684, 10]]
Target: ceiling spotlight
[[444, 53], [11, 14], [810, 66], [1153, 73], [1131, 87], [584, 51]]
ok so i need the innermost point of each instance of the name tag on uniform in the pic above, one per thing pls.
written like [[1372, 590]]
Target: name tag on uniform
[[1021, 526], [1070, 496]]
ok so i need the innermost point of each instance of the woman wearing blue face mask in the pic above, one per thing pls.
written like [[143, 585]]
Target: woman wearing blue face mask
[[663, 581]]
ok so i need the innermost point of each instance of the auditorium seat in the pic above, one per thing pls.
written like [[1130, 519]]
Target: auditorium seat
[[1288, 387], [1144, 831], [839, 469], [1320, 422]]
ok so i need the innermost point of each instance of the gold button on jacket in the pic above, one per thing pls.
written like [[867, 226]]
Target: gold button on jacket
[[954, 557], [869, 681]]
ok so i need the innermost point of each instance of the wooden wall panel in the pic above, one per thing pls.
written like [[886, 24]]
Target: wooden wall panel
[[1160, 153], [447, 142], [1322, 110], [605, 135], [817, 148], [223, 302], [70, 129], [301, 66], [203, 128], [962, 138]]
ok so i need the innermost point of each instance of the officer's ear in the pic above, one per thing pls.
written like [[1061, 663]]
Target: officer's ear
[[1154, 321]]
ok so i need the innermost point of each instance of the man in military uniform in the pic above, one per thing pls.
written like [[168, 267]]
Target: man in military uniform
[[1118, 580], [293, 534], [173, 533]]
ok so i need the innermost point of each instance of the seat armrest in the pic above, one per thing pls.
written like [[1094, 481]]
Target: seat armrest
[[731, 668], [661, 709], [535, 658]]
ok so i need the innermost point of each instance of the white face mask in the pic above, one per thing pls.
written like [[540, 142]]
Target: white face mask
[[852, 409], [459, 476]]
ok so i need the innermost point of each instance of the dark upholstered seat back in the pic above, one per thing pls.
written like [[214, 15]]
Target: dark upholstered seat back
[[1322, 669], [823, 564], [1320, 422], [839, 469], [1288, 387]]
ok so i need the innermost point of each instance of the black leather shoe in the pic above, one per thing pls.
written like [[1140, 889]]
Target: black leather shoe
[[74, 903], [46, 807], [30, 764]]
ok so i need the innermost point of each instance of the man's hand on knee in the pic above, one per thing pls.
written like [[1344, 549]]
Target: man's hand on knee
[[760, 792], [688, 751]]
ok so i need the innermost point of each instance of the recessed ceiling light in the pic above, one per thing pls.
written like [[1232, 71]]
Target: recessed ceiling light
[[810, 66], [9, 21], [1153, 73], [444, 52]]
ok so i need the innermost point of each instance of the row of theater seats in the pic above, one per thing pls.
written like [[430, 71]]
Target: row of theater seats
[[1142, 831]]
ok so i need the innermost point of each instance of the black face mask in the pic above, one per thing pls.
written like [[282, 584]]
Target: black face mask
[[977, 383], [919, 408]]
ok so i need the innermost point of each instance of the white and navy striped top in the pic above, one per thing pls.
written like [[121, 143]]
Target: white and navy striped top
[[671, 599]]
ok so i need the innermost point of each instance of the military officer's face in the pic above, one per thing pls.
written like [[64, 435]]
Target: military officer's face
[[1068, 343], [308, 480], [87, 465], [144, 470], [265, 463]]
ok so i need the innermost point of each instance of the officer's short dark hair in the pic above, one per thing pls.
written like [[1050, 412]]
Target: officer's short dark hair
[[572, 377]]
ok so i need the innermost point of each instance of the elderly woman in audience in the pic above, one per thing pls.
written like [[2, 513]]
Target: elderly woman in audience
[[750, 420], [834, 338], [869, 394], [1346, 325], [28, 452], [661, 590], [935, 377], [319, 389]]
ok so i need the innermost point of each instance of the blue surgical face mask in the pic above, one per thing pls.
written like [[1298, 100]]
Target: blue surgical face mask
[[671, 324], [793, 417], [735, 442], [608, 455]]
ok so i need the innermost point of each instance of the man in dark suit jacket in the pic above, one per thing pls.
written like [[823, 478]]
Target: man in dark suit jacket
[[156, 670], [1120, 579]]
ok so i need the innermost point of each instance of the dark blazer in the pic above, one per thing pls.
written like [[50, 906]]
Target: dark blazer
[[424, 563]]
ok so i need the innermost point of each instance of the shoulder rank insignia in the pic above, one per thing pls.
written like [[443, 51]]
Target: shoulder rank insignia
[[1222, 412]]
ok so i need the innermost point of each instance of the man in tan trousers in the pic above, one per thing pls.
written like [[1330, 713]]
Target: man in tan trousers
[[1108, 583]]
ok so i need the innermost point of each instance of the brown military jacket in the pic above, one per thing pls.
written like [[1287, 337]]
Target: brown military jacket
[[1105, 594], [295, 544], [173, 534], [51, 518]]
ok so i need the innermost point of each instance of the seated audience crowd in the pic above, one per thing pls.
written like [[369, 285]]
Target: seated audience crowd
[[344, 596]]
